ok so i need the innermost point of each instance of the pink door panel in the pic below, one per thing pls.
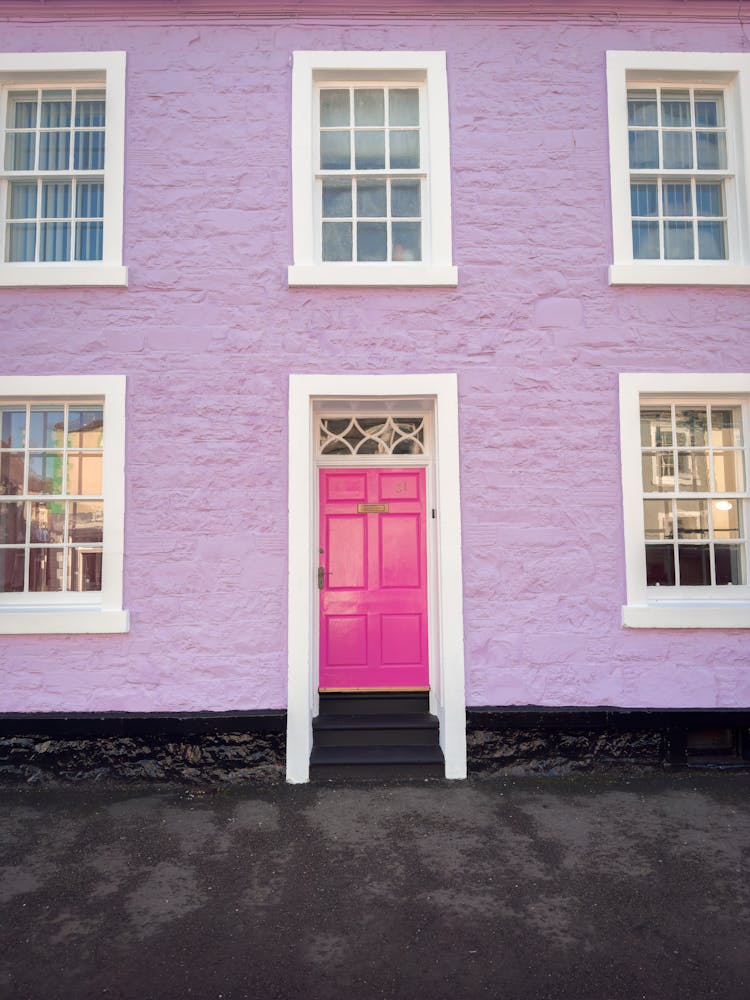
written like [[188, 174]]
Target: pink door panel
[[373, 605]]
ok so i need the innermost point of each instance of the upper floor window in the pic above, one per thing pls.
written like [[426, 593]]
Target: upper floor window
[[61, 168], [677, 124], [371, 169]]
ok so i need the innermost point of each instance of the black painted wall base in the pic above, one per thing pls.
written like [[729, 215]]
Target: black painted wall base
[[220, 748]]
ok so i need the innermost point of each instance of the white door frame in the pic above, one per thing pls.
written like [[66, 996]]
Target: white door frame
[[448, 692]]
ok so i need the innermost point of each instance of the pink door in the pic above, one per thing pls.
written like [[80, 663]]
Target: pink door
[[373, 578]]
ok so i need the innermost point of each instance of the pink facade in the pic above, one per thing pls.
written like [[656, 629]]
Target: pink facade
[[208, 331]]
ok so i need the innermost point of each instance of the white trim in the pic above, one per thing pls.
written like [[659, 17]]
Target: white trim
[[105, 611], [448, 690], [643, 608], [726, 69], [19, 68], [437, 267]]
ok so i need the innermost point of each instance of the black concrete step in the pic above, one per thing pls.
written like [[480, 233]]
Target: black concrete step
[[376, 763], [418, 729], [374, 702]]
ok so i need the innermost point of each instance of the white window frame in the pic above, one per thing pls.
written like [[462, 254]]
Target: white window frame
[[103, 611], [727, 71], [107, 69], [437, 267], [651, 607]]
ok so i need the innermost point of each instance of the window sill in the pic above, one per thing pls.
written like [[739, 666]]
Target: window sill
[[679, 274], [61, 621], [686, 615], [404, 274], [62, 275]]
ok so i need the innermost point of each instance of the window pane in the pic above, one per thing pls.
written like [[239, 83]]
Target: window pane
[[709, 109], [54, 150], [658, 472], [692, 518], [657, 519], [644, 150], [19, 151], [48, 522], [711, 148], [695, 565], [12, 565], [334, 107], [89, 200], [644, 199], [337, 199], [659, 566], [709, 199], [90, 108], [371, 198], [678, 199], [22, 109], [403, 107], [335, 153], [712, 244], [56, 200], [675, 109], [56, 108], [405, 199], [45, 570], [84, 569], [729, 563], [337, 241], [89, 240], [84, 475], [86, 522], [407, 241], [678, 150], [726, 515], [371, 241], [693, 471], [729, 471], [726, 426], [404, 150], [369, 150], [20, 241], [89, 151], [12, 523], [85, 427], [45, 473], [678, 241], [47, 427], [22, 200], [691, 425], [646, 241], [642, 107], [13, 427], [369, 107], [54, 241], [11, 473]]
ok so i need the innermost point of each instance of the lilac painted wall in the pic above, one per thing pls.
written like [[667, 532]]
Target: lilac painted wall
[[208, 332]]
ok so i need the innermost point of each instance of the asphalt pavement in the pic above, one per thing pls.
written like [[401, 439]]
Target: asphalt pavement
[[583, 888]]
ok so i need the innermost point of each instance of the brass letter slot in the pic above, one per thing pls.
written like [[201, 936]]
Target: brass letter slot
[[372, 508]]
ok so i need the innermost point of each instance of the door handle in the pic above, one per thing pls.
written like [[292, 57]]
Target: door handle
[[321, 577]]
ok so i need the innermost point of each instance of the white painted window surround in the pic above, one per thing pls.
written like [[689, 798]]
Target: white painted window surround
[[55, 69], [437, 397], [653, 607], [352, 68], [96, 612], [728, 72]]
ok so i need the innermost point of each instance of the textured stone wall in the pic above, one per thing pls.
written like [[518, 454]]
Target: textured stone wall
[[208, 332]]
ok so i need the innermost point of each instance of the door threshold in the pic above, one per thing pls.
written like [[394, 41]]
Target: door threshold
[[371, 690]]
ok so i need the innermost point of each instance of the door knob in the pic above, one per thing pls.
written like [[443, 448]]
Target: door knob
[[321, 577]]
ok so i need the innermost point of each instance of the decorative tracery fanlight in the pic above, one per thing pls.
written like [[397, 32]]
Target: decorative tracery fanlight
[[371, 436]]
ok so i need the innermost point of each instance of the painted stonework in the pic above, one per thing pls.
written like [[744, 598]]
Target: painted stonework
[[208, 333]]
